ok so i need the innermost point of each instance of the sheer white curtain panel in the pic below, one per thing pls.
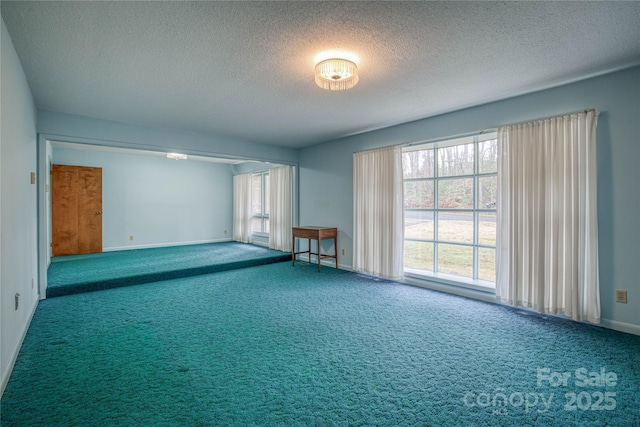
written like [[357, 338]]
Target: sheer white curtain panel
[[280, 208], [547, 235], [242, 214], [378, 220]]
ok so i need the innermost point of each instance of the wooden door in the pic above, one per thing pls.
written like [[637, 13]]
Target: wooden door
[[76, 199]]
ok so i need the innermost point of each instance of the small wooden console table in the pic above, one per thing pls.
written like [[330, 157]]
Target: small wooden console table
[[314, 233]]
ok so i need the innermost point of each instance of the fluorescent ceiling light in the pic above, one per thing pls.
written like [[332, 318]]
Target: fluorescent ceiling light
[[177, 156]]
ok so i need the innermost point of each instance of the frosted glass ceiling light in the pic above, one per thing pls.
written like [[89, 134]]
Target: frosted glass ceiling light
[[336, 74], [177, 156]]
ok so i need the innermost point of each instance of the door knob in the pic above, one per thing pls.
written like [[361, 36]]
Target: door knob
[[98, 213]]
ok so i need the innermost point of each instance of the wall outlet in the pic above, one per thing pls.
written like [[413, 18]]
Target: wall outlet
[[17, 300], [32, 283], [621, 296], [33, 177], [225, 231], [130, 237], [342, 252]]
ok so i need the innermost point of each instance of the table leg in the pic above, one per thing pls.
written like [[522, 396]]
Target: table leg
[[335, 240], [293, 250], [319, 246]]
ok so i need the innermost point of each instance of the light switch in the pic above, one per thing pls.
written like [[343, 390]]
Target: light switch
[[33, 177]]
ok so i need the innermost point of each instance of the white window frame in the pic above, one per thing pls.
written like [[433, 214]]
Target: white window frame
[[477, 210], [263, 215]]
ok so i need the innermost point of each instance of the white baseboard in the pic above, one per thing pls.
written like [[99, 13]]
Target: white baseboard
[[14, 354], [330, 262], [342, 266], [620, 326], [261, 244], [489, 297], [164, 245]]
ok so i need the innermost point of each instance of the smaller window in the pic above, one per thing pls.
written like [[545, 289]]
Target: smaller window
[[260, 203]]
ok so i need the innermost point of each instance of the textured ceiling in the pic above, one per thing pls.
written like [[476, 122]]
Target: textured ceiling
[[245, 69]]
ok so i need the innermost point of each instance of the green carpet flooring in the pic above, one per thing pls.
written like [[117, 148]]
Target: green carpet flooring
[[277, 345], [84, 273]]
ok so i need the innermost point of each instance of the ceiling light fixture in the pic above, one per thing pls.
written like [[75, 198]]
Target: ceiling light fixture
[[336, 74], [176, 156]]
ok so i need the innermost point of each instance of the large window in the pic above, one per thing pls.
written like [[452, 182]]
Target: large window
[[450, 192], [260, 203]]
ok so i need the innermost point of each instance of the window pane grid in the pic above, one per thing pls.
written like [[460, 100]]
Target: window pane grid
[[457, 218]]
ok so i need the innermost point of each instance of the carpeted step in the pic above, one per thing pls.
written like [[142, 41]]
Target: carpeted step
[[76, 288], [94, 272]]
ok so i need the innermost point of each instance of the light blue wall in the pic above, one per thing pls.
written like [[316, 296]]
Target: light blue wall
[[159, 201], [72, 128], [18, 214], [326, 172]]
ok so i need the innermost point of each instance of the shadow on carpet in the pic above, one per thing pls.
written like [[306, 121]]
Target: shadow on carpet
[[93, 272]]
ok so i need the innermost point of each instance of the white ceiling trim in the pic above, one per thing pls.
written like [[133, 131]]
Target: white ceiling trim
[[110, 149]]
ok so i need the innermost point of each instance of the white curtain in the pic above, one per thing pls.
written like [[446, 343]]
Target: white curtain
[[242, 214], [547, 236], [280, 182], [378, 219]]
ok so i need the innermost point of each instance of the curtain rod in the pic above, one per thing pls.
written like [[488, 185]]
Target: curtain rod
[[263, 170], [477, 132], [430, 141], [551, 117], [460, 135]]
